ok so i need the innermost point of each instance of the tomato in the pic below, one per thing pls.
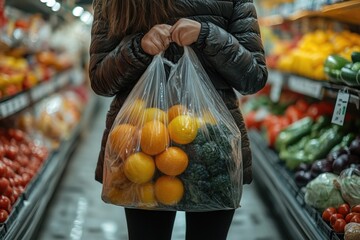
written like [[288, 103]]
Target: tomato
[[3, 215], [344, 209], [4, 184], [8, 192], [16, 134], [302, 105], [293, 114], [350, 216], [339, 225], [2, 150], [5, 202], [327, 213], [356, 208], [355, 218], [11, 151], [335, 217], [3, 170]]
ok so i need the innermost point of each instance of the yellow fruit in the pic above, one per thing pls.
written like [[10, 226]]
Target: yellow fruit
[[154, 114], [175, 111], [123, 139], [146, 193], [183, 129], [169, 190], [132, 113], [139, 168], [173, 161], [154, 137]]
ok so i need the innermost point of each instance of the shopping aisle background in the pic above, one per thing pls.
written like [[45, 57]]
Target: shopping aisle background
[[77, 211]]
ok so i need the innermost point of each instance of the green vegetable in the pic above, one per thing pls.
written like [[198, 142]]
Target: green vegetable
[[321, 193], [333, 65], [207, 179], [355, 57], [293, 133], [349, 76], [345, 142], [320, 147]]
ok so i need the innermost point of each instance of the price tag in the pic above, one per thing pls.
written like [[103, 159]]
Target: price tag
[[276, 88], [13, 105], [339, 113], [305, 86]]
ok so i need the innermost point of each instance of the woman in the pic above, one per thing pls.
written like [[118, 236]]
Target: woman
[[225, 35]]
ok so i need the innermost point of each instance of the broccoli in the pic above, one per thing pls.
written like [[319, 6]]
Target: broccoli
[[219, 167], [211, 153], [196, 172], [194, 152], [222, 189], [200, 138]]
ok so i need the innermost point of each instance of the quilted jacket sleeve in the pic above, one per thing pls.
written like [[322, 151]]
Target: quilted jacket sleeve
[[237, 54], [115, 63]]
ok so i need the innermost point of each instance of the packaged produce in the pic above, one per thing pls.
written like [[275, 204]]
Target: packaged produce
[[348, 183], [352, 231], [174, 145], [321, 193]]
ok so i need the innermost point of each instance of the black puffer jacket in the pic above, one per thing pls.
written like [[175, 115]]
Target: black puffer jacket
[[229, 48]]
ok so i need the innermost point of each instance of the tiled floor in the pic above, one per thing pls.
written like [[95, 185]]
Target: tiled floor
[[77, 212]]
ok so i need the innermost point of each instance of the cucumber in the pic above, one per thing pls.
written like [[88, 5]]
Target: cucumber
[[349, 77], [355, 57]]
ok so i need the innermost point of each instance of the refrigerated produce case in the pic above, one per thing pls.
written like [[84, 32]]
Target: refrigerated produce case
[[288, 22]]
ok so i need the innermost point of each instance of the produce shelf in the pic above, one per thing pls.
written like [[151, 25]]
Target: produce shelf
[[346, 12], [14, 104], [309, 87], [300, 220], [44, 185]]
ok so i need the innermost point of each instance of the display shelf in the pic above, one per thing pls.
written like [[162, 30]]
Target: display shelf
[[22, 100], [346, 12], [34, 205], [299, 219], [308, 87]]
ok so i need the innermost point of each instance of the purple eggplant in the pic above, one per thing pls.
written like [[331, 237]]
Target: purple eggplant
[[321, 166], [341, 163], [302, 178]]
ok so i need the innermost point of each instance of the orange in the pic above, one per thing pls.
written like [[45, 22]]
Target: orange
[[146, 193], [132, 112], [173, 161], [154, 114], [139, 168], [169, 190], [120, 196], [183, 129], [175, 111], [154, 137], [123, 140], [116, 177]]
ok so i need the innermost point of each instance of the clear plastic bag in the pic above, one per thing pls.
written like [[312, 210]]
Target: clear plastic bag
[[174, 145], [348, 183]]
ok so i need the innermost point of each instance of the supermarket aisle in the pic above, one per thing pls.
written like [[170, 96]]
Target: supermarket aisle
[[77, 212]]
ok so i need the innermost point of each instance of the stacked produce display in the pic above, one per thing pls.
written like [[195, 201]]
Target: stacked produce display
[[43, 109], [310, 130]]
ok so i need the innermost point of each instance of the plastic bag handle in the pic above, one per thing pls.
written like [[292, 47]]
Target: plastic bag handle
[[171, 64]]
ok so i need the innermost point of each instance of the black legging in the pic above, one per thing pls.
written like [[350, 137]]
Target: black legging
[[158, 225]]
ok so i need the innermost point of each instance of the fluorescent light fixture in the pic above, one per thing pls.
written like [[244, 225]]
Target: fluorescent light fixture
[[85, 16], [56, 7], [77, 11], [43, 1], [50, 3]]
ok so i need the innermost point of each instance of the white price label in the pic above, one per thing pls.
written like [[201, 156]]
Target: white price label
[[13, 105], [276, 79], [339, 113], [305, 86], [62, 80], [42, 90]]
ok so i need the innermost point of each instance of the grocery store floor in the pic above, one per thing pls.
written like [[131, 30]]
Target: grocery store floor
[[76, 210]]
